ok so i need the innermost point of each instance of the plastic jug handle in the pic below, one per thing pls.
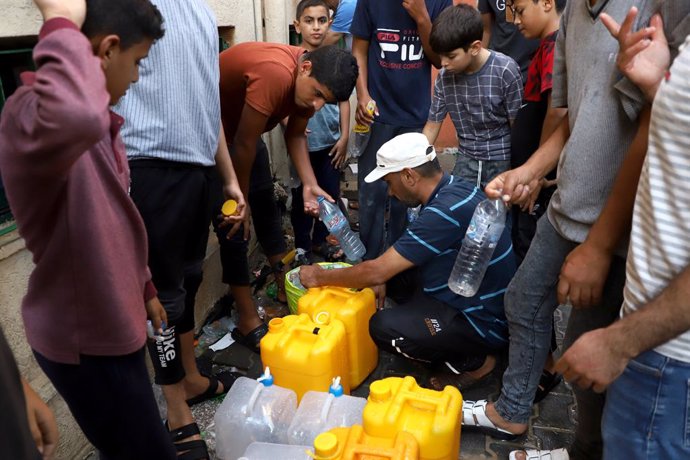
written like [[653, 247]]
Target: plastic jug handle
[[327, 407], [246, 410]]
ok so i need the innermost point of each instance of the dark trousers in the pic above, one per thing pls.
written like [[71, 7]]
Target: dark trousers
[[111, 399], [381, 218], [328, 178], [266, 217], [425, 329], [175, 202]]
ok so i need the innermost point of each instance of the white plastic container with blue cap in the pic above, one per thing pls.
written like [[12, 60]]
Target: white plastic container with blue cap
[[253, 410], [318, 412]]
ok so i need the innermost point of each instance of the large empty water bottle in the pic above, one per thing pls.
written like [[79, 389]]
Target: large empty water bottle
[[337, 224], [253, 411], [319, 412], [478, 246], [360, 135]]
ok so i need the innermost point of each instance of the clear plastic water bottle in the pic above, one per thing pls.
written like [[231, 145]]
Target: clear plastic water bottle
[[483, 233], [360, 135], [338, 226]]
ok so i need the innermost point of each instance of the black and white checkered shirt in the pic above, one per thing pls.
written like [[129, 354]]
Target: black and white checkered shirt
[[481, 105]]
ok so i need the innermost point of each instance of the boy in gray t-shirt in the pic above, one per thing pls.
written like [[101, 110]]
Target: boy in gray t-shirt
[[480, 89]]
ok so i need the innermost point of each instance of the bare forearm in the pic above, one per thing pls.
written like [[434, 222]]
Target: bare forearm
[[546, 157], [359, 51], [344, 107], [245, 153], [553, 118], [297, 149], [431, 130], [360, 276], [424, 29], [616, 217], [662, 319], [223, 160]]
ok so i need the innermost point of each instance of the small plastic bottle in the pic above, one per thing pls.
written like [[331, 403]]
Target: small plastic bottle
[[338, 226], [481, 238], [360, 135]]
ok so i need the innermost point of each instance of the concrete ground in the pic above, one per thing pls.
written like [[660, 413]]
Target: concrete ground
[[551, 426]]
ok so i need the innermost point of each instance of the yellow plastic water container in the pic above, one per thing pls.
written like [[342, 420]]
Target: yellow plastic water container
[[305, 356], [432, 417], [354, 444], [354, 309]]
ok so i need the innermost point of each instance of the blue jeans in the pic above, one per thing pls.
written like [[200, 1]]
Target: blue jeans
[[647, 414], [478, 173], [529, 305], [377, 232]]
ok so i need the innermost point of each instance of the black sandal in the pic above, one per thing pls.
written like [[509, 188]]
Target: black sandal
[[189, 450], [227, 378], [252, 339], [547, 382]]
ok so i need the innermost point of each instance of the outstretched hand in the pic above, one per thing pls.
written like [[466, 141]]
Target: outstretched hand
[[310, 194], [513, 186], [644, 56], [74, 10]]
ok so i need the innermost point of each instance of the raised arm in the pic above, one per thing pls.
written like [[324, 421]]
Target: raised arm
[[296, 142], [66, 110], [418, 11]]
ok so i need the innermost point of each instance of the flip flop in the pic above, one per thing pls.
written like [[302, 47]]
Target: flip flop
[[556, 454], [227, 378], [461, 381], [547, 382], [188, 450], [252, 339], [474, 418]]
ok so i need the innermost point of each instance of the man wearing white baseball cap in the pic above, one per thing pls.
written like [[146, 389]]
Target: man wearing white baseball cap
[[458, 334]]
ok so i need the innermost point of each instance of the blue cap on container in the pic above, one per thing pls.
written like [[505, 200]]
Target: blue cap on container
[[266, 379], [336, 389], [320, 199]]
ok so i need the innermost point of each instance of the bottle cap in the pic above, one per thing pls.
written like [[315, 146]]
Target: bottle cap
[[320, 199], [325, 445], [380, 391], [229, 208], [336, 389], [266, 379]]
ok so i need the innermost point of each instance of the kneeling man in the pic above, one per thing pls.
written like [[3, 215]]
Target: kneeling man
[[430, 323]]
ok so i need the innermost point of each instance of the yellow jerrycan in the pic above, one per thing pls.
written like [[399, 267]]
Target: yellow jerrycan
[[354, 309], [305, 356], [354, 444], [432, 417]]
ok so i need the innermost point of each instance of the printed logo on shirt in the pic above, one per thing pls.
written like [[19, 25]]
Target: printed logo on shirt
[[433, 325], [500, 5], [400, 49]]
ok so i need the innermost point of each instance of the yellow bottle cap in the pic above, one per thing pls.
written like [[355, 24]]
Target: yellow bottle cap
[[380, 391], [325, 445], [229, 208]]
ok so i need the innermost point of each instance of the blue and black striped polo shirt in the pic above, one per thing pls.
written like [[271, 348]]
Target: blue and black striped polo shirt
[[432, 243]]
